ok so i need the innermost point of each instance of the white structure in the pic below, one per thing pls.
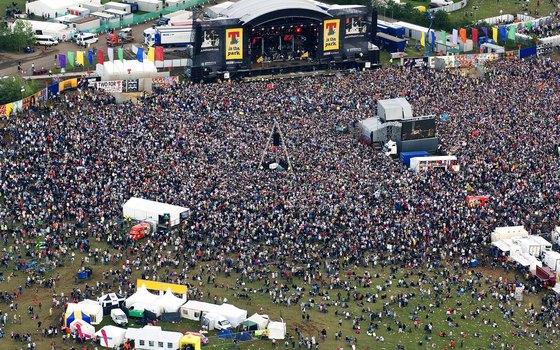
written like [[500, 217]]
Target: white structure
[[232, 313], [260, 320], [141, 295], [394, 109], [148, 5], [169, 302], [58, 31], [121, 15], [118, 6], [153, 338], [111, 300], [552, 260], [276, 330], [194, 309], [527, 260], [533, 245], [85, 24], [93, 7], [54, 8], [508, 232], [418, 164], [142, 209], [114, 336], [88, 331], [216, 10], [105, 17], [88, 307], [79, 11]]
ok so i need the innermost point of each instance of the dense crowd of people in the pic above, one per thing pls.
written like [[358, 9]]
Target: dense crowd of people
[[67, 169]]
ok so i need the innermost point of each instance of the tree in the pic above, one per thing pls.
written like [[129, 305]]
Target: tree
[[10, 89], [18, 38]]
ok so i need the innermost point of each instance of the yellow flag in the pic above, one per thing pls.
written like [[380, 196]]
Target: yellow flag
[[495, 34], [152, 54], [80, 57], [9, 107], [423, 39]]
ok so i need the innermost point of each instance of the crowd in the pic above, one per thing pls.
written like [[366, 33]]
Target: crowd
[[66, 170]]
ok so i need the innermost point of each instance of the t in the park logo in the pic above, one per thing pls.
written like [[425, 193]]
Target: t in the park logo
[[234, 44], [331, 34]]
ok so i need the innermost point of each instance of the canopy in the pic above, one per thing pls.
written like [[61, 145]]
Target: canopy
[[111, 299], [75, 315], [232, 313], [260, 320], [169, 302], [190, 339], [250, 325], [276, 330], [84, 329], [141, 295], [111, 336]]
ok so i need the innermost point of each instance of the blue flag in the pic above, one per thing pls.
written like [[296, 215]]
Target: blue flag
[[140, 55], [90, 57], [503, 33], [433, 38]]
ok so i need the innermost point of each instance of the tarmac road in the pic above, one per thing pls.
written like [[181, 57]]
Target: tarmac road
[[43, 57]]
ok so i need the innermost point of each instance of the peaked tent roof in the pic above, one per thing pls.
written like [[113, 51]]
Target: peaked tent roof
[[141, 295], [169, 302]]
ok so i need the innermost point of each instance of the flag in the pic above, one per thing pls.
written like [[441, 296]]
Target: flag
[[100, 56], [455, 36], [443, 37], [71, 59], [485, 31], [423, 39], [120, 53], [159, 53], [111, 53], [495, 34], [474, 34], [433, 38], [90, 57], [80, 58], [152, 54], [463, 35], [140, 55], [502, 31], [529, 25], [62, 60], [104, 334], [79, 329], [511, 32]]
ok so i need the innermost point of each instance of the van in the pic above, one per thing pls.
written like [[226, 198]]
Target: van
[[214, 320], [86, 39], [119, 317], [45, 40]]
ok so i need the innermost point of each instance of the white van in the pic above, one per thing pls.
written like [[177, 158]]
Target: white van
[[45, 40], [119, 317], [86, 39]]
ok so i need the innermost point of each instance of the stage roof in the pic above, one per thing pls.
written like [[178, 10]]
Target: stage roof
[[248, 10]]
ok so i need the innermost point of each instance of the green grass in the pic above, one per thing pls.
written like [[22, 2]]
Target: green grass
[[4, 4]]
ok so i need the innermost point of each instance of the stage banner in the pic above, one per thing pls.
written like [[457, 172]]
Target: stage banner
[[331, 34], [234, 44], [110, 86], [164, 81]]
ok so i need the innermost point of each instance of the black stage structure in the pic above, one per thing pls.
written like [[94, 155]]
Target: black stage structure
[[256, 37]]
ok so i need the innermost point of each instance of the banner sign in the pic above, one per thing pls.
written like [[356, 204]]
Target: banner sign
[[164, 81], [331, 34], [234, 44], [132, 85], [110, 86]]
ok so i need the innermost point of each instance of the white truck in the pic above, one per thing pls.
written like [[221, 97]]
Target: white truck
[[551, 259], [119, 317], [508, 232], [556, 235], [213, 320]]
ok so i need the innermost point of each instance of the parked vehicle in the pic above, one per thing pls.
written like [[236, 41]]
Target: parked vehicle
[[45, 40], [85, 39], [119, 317]]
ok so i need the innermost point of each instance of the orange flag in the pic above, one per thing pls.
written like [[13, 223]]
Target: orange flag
[[463, 35]]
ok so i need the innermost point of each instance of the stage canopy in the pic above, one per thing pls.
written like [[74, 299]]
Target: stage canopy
[[256, 11]]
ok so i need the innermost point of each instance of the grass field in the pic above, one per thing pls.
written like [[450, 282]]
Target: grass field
[[261, 302]]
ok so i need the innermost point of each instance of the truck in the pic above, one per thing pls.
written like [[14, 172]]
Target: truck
[[169, 36], [407, 156], [551, 259], [508, 232], [545, 276], [123, 37], [556, 235], [213, 320], [119, 317]]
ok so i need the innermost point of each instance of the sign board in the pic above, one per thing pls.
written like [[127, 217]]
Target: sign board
[[331, 34], [132, 85], [110, 86], [162, 286], [164, 81], [234, 44]]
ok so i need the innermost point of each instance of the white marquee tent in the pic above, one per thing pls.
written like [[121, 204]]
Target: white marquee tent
[[169, 302], [142, 209], [88, 307], [126, 69], [54, 8], [115, 336], [88, 331], [260, 320], [232, 313], [142, 295]]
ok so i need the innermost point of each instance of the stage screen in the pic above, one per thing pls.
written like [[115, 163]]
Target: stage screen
[[418, 129]]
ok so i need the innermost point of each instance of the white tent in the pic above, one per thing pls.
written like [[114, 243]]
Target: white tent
[[54, 8], [88, 331], [232, 313], [88, 307], [141, 295], [169, 302], [150, 337], [194, 309], [276, 330], [260, 320], [58, 31], [142, 209], [126, 69], [115, 336]]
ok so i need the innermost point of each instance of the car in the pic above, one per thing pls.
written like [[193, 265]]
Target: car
[[85, 39]]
